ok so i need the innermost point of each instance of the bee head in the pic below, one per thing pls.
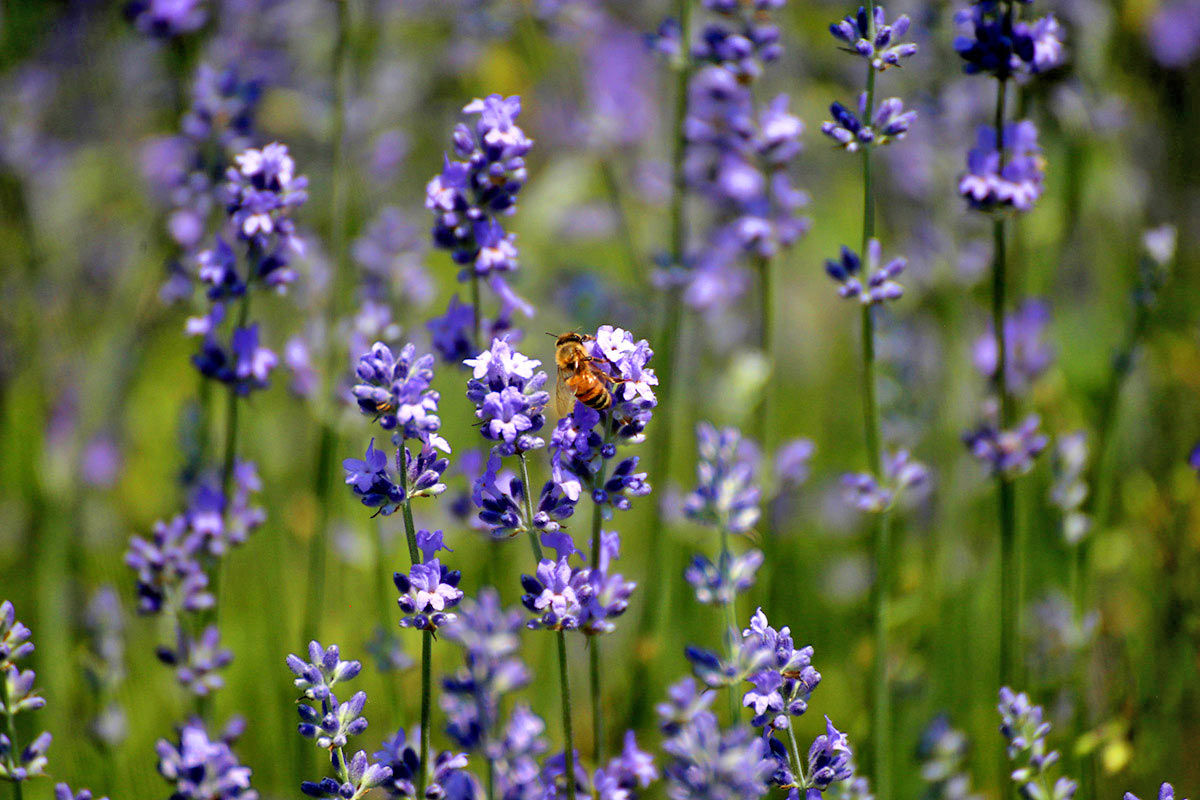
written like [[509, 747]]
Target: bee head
[[569, 338]]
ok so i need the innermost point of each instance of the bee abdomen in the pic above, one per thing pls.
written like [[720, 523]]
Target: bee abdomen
[[597, 397]]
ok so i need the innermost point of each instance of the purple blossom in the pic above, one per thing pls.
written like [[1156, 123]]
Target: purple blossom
[[880, 284], [556, 595], [334, 724], [395, 389], [610, 592], [506, 388], [889, 122], [201, 768], [64, 792], [500, 500], [1027, 355], [1165, 792], [726, 495], [166, 19], [1025, 730], [721, 583], [14, 637], [1010, 452], [361, 776], [783, 687], [1002, 46], [167, 565], [324, 669], [829, 761], [900, 474], [880, 43], [1173, 33], [262, 189], [197, 660], [449, 778], [427, 593], [1018, 184]]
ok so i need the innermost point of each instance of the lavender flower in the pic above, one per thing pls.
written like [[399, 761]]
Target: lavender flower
[[783, 687], [1070, 489], [610, 592], [361, 777], [201, 768], [316, 677], [14, 637], [506, 388], [721, 583], [556, 594], [1001, 46], [500, 500], [197, 660], [1165, 792], [726, 496], [882, 49], [1010, 452], [63, 792], [165, 19], [105, 664], [262, 190], [169, 575], [829, 761], [335, 723], [880, 280], [1024, 729], [943, 751], [900, 473], [449, 779], [988, 186], [705, 762], [396, 390], [1027, 356], [488, 635], [427, 593], [17, 694], [889, 122], [521, 743]]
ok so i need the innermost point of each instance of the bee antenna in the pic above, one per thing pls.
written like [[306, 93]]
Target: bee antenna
[[552, 335]]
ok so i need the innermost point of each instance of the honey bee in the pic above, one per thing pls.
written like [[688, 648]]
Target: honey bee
[[578, 377]]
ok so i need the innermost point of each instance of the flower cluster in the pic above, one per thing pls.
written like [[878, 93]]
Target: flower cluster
[[943, 751], [500, 499], [879, 44], [707, 763], [17, 694], [886, 123], [781, 689], [395, 390], [900, 473], [488, 634], [1165, 792], [449, 778], [1002, 46], [260, 194], [166, 19], [1007, 177], [563, 597], [1025, 731], [199, 767], [726, 495], [830, 761], [468, 199], [1007, 452], [739, 154], [719, 584], [516, 752], [1026, 354], [331, 723], [197, 660], [880, 281], [170, 574], [506, 388], [1070, 489], [585, 441], [64, 792], [218, 125], [105, 664], [430, 589]]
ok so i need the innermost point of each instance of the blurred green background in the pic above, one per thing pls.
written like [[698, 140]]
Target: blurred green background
[[87, 350]]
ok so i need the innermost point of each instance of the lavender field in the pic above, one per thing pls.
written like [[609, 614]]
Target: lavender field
[[861, 459]]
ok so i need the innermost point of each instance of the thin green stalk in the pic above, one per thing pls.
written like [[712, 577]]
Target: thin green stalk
[[881, 696], [666, 347], [383, 601], [426, 698], [731, 627], [568, 734], [799, 768], [477, 312], [594, 687], [763, 420], [534, 544]]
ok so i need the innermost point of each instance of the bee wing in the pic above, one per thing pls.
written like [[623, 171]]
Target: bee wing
[[564, 398]]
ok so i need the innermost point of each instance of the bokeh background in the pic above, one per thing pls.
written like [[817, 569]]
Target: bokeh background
[[99, 399]]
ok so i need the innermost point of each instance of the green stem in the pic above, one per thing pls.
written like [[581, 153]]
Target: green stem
[[568, 734], [594, 687], [534, 544], [881, 696], [799, 768], [477, 312], [767, 310], [731, 628], [426, 698]]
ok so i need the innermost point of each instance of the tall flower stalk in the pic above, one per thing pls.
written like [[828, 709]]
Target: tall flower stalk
[[1004, 176], [868, 35], [395, 390]]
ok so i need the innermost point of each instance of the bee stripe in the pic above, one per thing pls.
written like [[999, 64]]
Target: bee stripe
[[597, 397]]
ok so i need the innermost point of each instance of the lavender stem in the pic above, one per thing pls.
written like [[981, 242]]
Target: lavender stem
[[568, 734]]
